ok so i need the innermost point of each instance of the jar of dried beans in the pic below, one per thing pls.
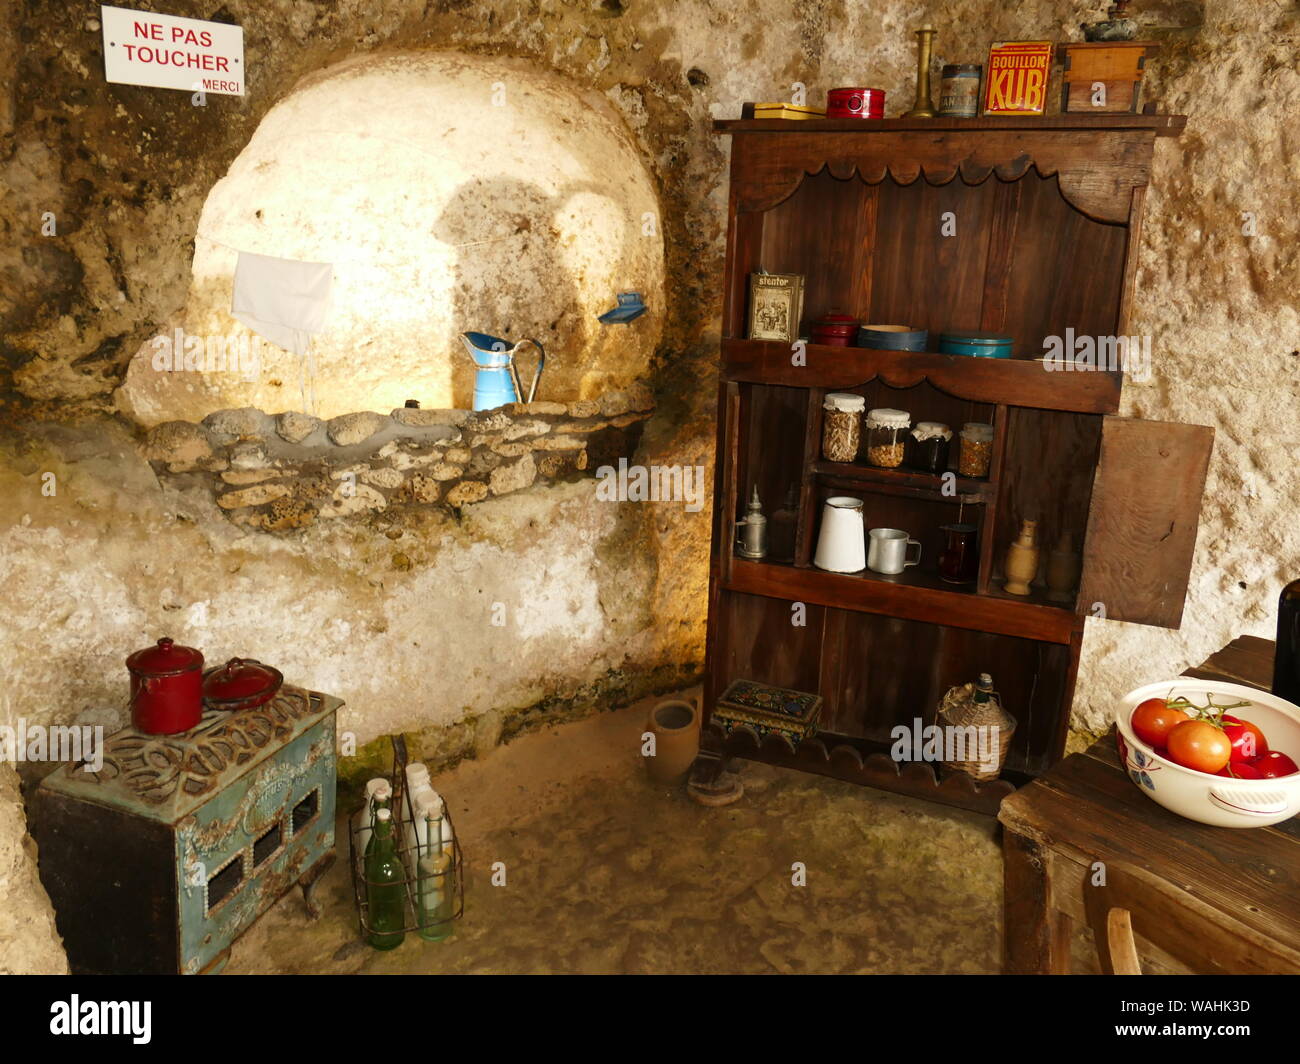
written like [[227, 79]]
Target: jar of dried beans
[[842, 426], [886, 430], [976, 449]]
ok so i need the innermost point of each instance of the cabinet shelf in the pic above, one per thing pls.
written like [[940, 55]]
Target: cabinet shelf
[[1013, 381], [915, 594], [864, 761], [1159, 124], [970, 490]]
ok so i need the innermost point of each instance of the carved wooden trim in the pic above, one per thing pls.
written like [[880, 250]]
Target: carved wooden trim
[[842, 761], [1097, 170]]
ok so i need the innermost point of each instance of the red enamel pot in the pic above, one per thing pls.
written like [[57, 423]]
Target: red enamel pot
[[241, 683], [166, 688]]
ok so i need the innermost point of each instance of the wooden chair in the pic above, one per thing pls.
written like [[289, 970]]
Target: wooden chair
[[1120, 946]]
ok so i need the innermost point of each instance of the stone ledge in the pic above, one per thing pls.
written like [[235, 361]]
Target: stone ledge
[[283, 472]]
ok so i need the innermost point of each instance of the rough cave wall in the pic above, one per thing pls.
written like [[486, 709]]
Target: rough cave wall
[[126, 171]]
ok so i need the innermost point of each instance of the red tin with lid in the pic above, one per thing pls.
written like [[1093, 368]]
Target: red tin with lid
[[855, 103], [835, 330], [166, 688]]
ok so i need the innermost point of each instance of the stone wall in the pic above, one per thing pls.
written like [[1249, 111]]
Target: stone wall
[[283, 473], [605, 597], [29, 941]]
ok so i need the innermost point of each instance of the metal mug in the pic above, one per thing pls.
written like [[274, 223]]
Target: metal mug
[[888, 551]]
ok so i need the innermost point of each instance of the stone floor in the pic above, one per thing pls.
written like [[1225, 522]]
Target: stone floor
[[608, 873]]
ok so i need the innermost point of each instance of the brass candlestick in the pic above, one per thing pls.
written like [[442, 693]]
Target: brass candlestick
[[923, 106]]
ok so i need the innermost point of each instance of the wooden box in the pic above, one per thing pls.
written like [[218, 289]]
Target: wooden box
[[1105, 77], [766, 710], [156, 863]]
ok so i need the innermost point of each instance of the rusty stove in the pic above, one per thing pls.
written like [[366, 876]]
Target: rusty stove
[[160, 860]]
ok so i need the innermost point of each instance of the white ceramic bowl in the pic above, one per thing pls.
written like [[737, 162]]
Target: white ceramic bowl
[[1199, 796]]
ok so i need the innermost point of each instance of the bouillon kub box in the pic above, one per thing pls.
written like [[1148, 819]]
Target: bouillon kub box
[[1016, 83]]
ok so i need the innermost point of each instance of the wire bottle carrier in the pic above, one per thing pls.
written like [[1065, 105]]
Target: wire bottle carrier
[[414, 881]]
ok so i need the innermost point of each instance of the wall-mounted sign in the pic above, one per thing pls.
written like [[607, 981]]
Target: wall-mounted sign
[[169, 52]]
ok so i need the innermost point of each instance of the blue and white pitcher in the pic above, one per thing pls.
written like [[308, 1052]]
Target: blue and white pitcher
[[497, 380]]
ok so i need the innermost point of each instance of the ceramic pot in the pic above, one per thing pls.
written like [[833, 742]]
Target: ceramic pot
[[676, 728], [1022, 560], [1063, 570]]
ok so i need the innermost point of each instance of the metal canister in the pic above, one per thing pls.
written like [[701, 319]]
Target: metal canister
[[959, 90]]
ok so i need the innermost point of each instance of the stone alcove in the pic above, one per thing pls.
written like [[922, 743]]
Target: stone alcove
[[450, 192]]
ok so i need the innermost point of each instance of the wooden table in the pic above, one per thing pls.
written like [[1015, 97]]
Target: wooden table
[[1218, 900]]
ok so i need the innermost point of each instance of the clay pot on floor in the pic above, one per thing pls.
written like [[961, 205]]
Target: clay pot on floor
[[676, 728]]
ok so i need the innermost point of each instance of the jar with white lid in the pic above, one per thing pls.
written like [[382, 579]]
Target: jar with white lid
[[886, 431], [929, 447], [842, 426], [976, 449]]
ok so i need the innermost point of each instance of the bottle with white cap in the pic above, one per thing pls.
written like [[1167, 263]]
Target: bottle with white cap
[[385, 892], [435, 883], [379, 793]]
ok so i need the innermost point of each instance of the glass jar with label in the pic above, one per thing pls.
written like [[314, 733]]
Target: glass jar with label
[[929, 447], [842, 426], [886, 430], [976, 449]]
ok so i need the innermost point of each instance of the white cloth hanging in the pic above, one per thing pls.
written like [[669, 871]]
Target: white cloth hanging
[[283, 300]]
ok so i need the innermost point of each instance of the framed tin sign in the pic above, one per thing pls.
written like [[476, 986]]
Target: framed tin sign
[[1017, 77], [775, 306]]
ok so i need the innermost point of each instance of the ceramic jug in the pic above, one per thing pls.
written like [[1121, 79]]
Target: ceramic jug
[[841, 544], [1022, 559], [497, 380]]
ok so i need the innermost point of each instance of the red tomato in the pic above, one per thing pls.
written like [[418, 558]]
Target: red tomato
[[1199, 745], [1152, 720], [1239, 770], [1274, 764], [1248, 741]]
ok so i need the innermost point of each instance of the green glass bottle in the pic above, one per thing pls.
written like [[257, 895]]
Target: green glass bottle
[[385, 885]]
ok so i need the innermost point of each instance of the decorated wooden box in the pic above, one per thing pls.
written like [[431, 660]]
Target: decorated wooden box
[[767, 709], [1104, 77], [161, 859]]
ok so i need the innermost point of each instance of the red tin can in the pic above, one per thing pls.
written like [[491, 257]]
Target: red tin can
[[855, 103], [166, 688], [835, 330]]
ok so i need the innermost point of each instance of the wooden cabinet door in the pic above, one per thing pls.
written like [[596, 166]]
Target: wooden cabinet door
[[1146, 502]]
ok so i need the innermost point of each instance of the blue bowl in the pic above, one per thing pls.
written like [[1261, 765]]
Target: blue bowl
[[892, 337]]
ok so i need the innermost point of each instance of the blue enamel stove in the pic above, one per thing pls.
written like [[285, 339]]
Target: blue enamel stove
[[161, 859]]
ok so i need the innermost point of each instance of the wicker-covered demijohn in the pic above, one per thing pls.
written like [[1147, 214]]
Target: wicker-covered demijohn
[[960, 709]]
